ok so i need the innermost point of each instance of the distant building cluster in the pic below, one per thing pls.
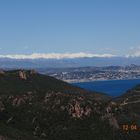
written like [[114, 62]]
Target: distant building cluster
[[97, 73]]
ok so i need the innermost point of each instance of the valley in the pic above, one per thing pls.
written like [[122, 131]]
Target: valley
[[39, 107]]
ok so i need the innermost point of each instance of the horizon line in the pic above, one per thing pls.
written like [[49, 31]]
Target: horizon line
[[61, 55]]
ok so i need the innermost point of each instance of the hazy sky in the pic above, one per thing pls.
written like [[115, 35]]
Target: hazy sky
[[69, 26]]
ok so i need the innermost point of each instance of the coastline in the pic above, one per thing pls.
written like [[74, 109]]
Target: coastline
[[98, 80]]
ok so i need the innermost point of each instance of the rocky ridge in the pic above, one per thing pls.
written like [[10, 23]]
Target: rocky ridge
[[37, 107]]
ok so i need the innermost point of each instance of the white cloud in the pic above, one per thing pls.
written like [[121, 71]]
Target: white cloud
[[54, 55], [134, 52]]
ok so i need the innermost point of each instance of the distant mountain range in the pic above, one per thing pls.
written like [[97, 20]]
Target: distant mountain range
[[67, 63], [38, 107]]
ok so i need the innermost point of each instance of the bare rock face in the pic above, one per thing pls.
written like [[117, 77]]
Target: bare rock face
[[77, 111], [23, 75], [18, 101], [87, 111], [2, 72]]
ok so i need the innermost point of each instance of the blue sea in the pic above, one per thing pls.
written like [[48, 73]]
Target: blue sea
[[110, 87]]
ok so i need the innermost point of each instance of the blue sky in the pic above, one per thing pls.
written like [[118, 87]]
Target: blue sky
[[69, 26]]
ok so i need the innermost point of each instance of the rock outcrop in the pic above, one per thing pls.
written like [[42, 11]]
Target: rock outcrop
[[38, 107], [23, 75]]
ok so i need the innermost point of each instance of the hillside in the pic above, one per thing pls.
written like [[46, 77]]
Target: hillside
[[21, 81], [127, 113], [39, 107]]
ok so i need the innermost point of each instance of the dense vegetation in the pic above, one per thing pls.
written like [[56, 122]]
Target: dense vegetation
[[37, 107]]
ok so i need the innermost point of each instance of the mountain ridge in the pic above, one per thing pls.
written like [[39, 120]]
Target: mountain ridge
[[67, 63], [29, 110]]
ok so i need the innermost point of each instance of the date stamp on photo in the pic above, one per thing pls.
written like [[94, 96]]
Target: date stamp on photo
[[130, 127]]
